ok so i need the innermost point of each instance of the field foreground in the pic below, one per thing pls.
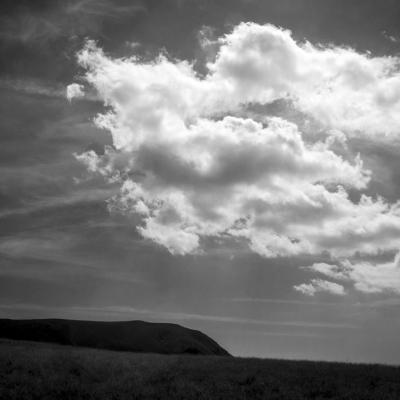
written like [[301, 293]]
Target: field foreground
[[47, 371]]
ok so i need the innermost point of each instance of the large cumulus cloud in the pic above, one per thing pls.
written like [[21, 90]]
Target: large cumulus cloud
[[193, 165], [338, 87]]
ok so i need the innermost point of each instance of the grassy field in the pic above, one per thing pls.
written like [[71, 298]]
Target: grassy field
[[45, 371]]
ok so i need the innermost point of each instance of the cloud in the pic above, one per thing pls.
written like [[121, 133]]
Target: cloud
[[319, 285], [64, 19], [127, 311], [254, 300], [330, 270], [193, 165], [50, 248], [32, 87], [389, 37], [74, 90], [365, 276], [338, 87]]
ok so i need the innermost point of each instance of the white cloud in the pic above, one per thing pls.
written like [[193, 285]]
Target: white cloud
[[377, 278], [74, 90], [319, 285], [391, 38], [191, 168], [333, 271], [366, 276], [339, 87]]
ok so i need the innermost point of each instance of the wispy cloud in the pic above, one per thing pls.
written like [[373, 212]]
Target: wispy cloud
[[65, 19], [78, 196], [34, 87], [392, 38], [251, 300], [131, 312], [278, 334], [320, 286]]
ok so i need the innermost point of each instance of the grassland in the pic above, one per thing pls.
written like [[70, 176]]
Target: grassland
[[45, 371]]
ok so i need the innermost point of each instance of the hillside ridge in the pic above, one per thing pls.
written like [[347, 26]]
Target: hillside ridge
[[136, 336]]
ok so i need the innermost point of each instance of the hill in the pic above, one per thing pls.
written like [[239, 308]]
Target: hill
[[136, 336], [49, 371]]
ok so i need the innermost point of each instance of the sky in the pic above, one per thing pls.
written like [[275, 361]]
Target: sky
[[231, 166]]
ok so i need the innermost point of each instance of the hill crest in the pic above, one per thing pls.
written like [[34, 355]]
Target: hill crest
[[135, 336]]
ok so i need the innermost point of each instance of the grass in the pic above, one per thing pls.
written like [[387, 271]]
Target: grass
[[45, 371]]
